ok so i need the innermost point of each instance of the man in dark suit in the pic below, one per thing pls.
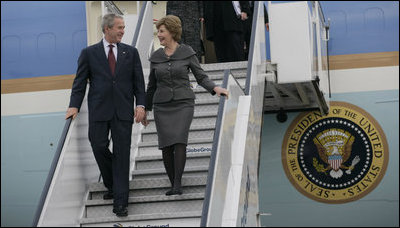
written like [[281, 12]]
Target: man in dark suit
[[114, 72], [224, 26], [248, 27]]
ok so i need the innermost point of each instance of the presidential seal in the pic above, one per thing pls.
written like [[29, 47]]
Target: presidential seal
[[337, 158]]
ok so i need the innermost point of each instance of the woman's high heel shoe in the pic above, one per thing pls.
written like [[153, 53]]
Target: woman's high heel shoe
[[174, 191]]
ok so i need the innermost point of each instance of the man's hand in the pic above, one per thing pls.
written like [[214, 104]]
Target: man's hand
[[71, 112], [243, 16], [139, 114]]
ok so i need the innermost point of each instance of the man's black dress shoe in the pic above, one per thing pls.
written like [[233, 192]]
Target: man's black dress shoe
[[108, 195], [174, 191], [121, 211]]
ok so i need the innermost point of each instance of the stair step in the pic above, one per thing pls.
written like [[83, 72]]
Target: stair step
[[156, 162], [152, 183], [143, 208], [241, 81], [152, 187], [98, 195], [207, 105], [160, 173], [214, 100], [205, 96], [192, 148], [193, 134], [205, 122], [212, 107], [157, 157], [212, 113], [219, 74], [198, 127], [223, 66], [148, 199], [144, 172], [182, 219], [190, 141]]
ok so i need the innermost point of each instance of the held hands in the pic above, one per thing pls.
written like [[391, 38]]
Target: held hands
[[140, 114], [221, 91], [145, 122]]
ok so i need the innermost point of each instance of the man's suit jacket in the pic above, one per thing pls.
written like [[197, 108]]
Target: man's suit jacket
[[221, 16], [109, 94]]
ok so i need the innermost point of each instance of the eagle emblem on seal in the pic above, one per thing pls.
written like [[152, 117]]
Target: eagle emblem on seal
[[334, 149]]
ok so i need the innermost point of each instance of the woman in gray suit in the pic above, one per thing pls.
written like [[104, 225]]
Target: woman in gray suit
[[170, 93]]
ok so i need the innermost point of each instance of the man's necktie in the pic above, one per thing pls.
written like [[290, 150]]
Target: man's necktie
[[111, 59]]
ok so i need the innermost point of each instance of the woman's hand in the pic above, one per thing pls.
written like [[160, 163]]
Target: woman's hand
[[221, 91], [145, 122]]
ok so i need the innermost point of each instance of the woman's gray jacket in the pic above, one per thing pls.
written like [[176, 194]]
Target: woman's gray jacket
[[169, 76]]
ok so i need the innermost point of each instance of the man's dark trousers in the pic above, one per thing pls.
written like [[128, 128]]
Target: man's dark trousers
[[229, 46], [114, 167]]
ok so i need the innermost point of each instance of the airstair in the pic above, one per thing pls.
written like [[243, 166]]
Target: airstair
[[148, 204], [220, 181]]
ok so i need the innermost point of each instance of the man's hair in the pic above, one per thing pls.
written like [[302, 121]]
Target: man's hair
[[173, 25], [108, 20]]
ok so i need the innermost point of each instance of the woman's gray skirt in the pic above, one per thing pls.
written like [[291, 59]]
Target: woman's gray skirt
[[173, 121]]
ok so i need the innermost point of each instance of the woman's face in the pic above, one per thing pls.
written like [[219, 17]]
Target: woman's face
[[164, 35]]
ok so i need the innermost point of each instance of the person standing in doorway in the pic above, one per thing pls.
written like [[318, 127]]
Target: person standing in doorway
[[224, 26], [248, 24]]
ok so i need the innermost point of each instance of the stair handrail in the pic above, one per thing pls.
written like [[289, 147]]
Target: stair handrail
[[319, 14], [210, 176], [221, 156], [255, 89], [52, 170], [253, 37], [139, 25], [110, 5], [143, 37]]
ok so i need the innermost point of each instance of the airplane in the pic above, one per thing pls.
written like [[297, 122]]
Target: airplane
[[308, 136]]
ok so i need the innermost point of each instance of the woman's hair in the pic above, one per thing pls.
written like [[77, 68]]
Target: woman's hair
[[173, 25]]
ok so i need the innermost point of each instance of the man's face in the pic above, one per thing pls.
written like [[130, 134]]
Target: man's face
[[115, 33]]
